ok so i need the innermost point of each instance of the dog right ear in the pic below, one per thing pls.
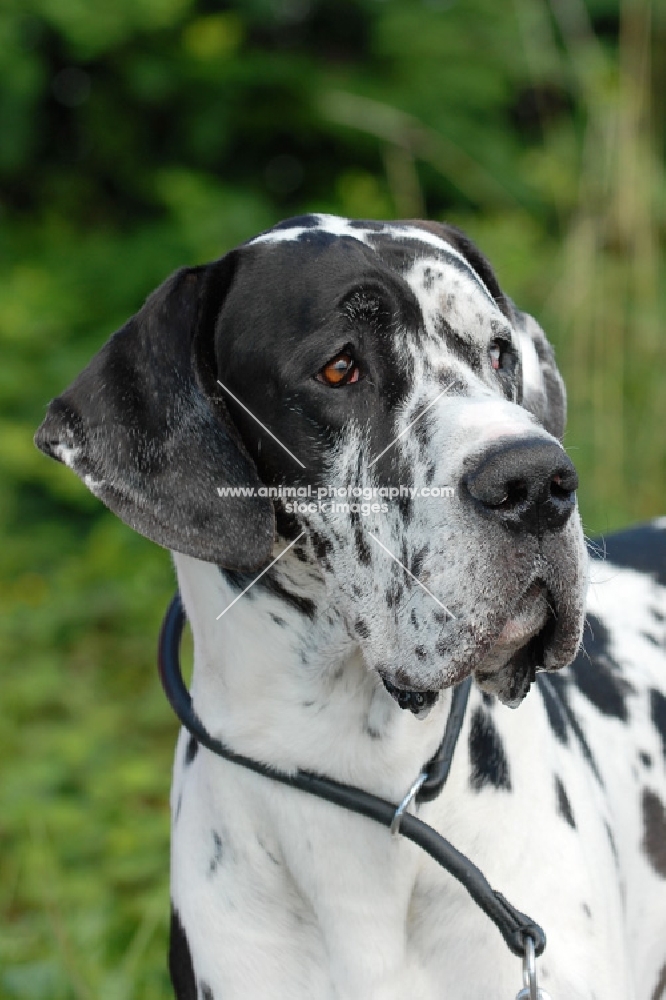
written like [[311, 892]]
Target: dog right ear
[[146, 428]]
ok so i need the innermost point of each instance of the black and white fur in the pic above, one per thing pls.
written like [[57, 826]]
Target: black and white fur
[[277, 894]]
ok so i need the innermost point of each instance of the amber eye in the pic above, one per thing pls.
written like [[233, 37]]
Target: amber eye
[[340, 370]]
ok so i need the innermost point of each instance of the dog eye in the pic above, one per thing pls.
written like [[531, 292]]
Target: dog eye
[[340, 370], [500, 355]]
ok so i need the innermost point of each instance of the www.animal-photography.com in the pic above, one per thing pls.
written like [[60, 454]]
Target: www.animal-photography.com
[[334, 551]]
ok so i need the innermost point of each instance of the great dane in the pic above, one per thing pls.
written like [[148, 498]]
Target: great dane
[[360, 405]]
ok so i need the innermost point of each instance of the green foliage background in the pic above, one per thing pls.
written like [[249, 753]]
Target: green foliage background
[[139, 135]]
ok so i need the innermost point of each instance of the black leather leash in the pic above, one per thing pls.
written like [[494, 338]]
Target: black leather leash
[[514, 926]]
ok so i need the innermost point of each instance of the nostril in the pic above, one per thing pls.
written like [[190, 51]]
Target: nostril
[[563, 484], [517, 492]]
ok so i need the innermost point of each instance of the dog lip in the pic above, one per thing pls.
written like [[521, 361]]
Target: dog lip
[[528, 621], [418, 702]]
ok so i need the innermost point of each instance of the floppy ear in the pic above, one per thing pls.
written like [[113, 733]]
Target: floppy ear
[[544, 394], [146, 429]]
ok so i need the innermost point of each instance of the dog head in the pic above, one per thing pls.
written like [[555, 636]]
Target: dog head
[[332, 358]]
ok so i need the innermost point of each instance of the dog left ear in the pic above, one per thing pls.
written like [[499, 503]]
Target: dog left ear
[[544, 394], [147, 430]]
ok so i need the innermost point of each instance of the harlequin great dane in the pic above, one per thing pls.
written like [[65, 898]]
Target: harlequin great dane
[[328, 354]]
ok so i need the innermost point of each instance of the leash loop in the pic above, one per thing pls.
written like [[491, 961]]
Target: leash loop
[[530, 989], [514, 926]]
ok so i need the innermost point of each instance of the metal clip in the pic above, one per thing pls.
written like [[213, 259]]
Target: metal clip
[[530, 989], [404, 805]]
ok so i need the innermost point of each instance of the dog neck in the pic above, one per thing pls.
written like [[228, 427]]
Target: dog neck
[[278, 677]]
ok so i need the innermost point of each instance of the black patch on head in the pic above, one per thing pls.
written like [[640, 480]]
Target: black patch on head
[[361, 628], [191, 750], [181, 969], [586, 910], [654, 831], [598, 676], [489, 763], [642, 549], [206, 992], [563, 804], [658, 715], [218, 852], [645, 759], [278, 621]]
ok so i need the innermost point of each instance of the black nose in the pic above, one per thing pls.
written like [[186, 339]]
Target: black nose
[[528, 485]]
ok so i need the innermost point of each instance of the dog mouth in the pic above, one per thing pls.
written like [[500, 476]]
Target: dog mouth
[[418, 703], [507, 665], [510, 665]]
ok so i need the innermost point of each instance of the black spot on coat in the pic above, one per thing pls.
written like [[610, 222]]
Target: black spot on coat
[[642, 548], [557, 718], [206, 992], [598, 676], [654, 831], [181, 969], [361, 628], [489, 763], [218, 852], [562, 717], [563, 804], [658, 714]]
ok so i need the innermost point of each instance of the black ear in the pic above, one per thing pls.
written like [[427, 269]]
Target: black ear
[[146, 428], [544, 394]]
